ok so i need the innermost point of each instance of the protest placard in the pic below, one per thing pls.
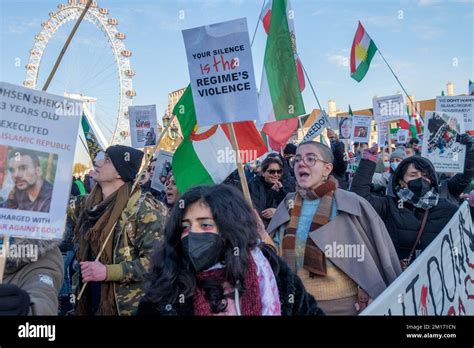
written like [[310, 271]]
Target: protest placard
[[221, 72], [458, 104], [388, 108], [318, 126], [142, 125], [38, 134], [162, 169], [440, 280], [402, 136], [361, 128], [439, 141], [382, 134], [345, 128]]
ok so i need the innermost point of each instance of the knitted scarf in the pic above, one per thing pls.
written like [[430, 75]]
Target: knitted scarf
[[95, 223], [250, 302], [314, 258]]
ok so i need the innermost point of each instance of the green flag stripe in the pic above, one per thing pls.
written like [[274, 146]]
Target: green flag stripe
[[280, 66], [363, 67]]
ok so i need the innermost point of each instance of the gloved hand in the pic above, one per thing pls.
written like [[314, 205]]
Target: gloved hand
[[371, 154], [13, 300], [464, 138]]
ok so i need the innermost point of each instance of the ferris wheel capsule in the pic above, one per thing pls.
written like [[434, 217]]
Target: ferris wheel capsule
[[31, 67], [112, 21], [62, 6], [104, 11], [130, 73], [131, 93], [120, 36], [124, 133], [27, 83], [126, 53], [72, 2]]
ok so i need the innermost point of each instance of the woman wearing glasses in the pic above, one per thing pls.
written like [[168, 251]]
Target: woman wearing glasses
[[266, 190], [333, 239]]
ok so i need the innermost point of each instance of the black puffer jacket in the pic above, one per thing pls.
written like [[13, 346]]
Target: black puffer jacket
[[403, 223], [295, 301], [339, 163], [264, 197]]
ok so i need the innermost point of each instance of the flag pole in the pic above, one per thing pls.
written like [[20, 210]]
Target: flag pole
[[258, 22], [240, 168], [66, 44], [310, 84], [403, 88]]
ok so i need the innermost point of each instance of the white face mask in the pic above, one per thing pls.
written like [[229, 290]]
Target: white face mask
[[394, 165], [386, 164]]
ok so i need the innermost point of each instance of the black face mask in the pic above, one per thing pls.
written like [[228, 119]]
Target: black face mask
[[419, 186], [203, 250]]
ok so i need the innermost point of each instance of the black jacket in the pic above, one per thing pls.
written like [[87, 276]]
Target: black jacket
[[402, 223], [294, 299], [339, 164], [263, 196]]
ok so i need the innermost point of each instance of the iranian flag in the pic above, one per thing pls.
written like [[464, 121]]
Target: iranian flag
[[206, 156], [280, 100], [362, 52]]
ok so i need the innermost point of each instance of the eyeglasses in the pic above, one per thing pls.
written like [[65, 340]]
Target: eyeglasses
[[274, 171], [310, 160]]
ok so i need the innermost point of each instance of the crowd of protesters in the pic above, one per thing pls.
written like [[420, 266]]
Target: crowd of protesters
[[207, 251]]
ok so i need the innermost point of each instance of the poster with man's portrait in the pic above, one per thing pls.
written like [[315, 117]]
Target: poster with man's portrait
[[440, 141], [37, 147]]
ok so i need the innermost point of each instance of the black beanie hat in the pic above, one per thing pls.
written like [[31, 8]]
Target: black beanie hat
[[126, 160], [290, 149]]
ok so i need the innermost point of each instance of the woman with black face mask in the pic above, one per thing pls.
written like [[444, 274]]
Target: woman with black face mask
[[415, 199], [212, 262]]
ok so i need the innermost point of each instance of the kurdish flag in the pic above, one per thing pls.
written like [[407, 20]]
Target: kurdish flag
[[205, 156], [362, 52], [280, 95]]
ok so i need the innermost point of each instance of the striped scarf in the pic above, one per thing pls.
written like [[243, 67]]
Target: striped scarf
[[314, 258]]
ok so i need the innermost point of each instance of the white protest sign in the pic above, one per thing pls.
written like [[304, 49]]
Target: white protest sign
[[402, 136], [143, 125], [382, 134], [458, 104], [388, 108], [38, 134], [439, 141], [162, 169], [318, 126], [221, 72], [345, 128], [440, 281], [361, 128]]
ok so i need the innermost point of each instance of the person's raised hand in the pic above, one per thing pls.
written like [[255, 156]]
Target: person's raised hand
[[371, 154]]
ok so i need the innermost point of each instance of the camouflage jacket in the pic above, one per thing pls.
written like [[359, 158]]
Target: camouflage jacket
[[140, 226]]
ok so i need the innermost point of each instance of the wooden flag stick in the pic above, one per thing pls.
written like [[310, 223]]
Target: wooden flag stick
[[240, 168], [144, 166], [3, 256]]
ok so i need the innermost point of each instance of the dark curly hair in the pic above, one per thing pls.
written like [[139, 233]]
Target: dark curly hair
[[171, 276]]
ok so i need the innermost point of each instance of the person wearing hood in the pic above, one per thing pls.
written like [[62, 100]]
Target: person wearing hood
[[415, 208], [137, 221], [320, 218], [31, 283], [382, 181]]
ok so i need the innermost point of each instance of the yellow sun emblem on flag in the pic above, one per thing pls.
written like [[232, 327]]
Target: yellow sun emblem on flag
[[360, 52]]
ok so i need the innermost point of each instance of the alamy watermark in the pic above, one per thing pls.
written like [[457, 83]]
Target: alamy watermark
[[20, 251], [353, 251]]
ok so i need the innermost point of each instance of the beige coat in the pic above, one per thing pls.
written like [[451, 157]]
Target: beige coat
[[356, 223], [41, 279]]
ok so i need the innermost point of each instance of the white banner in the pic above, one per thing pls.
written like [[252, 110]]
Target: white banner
[[440, 281], [221, 72], [388, 108], [38, 135], [318, 126], [143, 124], [439, 141], [458, 104], [361, 128], [162, 169]]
